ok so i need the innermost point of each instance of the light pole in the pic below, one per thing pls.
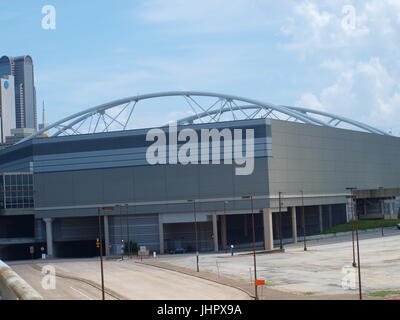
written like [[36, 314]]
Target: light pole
[[100, 240], [383, 219], [355, 226], [254, 246], [383, 215], [225, 243], [122, 238], [128, 244], [303, 221], [195, 233], [100, 245], [352, 223], [358, 262], [280, 221]]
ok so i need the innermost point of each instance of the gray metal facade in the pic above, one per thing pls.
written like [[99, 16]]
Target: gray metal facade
[[73, 176], [110, 168], [323, 161]]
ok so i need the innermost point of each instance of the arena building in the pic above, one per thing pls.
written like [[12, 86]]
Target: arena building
[[93, 167]]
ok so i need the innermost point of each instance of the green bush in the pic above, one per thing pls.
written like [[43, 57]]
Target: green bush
[[131, 247], [363, 225]]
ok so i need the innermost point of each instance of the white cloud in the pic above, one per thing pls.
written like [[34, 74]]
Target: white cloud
[[314, 25], [361, 63], [309, 100], [367, 91]]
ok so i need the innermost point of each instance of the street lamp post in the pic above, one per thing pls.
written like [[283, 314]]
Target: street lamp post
[[101, 254], [355, 216], [122, 238], [303, 221], [100, 245], [225, 203], [352, 224], [254, 246], [128, 244], [280, 221], [382, 211], [196, 235], [355, 226], [383, 218], [358, 262]]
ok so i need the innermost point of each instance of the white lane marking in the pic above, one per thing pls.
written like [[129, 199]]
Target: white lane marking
[[81, 293]]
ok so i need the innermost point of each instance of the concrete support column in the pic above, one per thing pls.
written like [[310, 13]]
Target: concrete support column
[[321, 222], [392, 209], [215, 231], [330, 216], [382, 208], [268, 230], [294, 225], [365, 207], [224, 238], [49, 236], [161, 233], [106, 235]]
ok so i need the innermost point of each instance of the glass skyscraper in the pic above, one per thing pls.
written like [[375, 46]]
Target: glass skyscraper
[[25, 92]]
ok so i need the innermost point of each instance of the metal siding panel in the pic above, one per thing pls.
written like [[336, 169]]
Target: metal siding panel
[[72, 229], [142, 229]]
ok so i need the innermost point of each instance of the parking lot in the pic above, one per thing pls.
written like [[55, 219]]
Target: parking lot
[[321, 270]]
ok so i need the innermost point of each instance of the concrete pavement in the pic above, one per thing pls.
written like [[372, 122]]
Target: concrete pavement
[[126, 280], [319, 271]]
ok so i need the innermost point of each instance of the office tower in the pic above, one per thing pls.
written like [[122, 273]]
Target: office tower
[[7, 107], [25, 93]]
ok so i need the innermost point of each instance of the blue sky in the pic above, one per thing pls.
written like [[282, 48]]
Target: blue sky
[[286, 52]]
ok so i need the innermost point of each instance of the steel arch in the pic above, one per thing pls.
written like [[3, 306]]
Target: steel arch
[[305, 111], [228, 104]]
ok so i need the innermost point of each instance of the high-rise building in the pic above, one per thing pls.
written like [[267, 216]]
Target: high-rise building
[[25, 93], [7, 107]]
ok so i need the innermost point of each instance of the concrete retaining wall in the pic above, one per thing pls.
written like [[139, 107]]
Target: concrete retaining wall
[[13, 287]]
